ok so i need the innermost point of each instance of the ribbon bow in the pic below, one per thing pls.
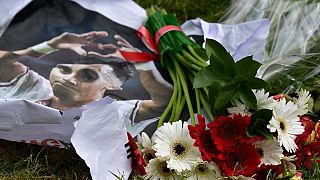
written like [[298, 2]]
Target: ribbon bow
[[147, 40]]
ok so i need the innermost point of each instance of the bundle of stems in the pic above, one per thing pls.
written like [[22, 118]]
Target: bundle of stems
[[183, 58]]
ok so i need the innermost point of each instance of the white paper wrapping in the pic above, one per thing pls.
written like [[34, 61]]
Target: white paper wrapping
[[99, 138], [241, 40]]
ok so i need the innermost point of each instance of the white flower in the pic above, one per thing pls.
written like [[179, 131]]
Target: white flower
[[302, 102], [205, 171], [271, 152], [239, 108], [146, 142], [286, 122], [263, 100], [157, 169], [174, 144]]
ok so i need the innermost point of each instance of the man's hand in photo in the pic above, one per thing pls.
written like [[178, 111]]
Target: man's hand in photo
[[76, 41]]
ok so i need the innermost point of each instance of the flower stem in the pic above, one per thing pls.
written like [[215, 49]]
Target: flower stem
[[193, 60], [186, 63], [205, 89], [179, 100], [195, 54], [178, 110], [284, 168], [206, 106], [172, 100], [185, 90], [198, 100]]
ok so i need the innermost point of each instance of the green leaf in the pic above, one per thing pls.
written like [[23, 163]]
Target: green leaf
[[246, 95], [203, 78], [207, 76], [219, 55], [219, 68], [265, 132], [256, 83], [213, 92], [240, 78], [247, 66], [259, 121], [213, 95], [224, 97]]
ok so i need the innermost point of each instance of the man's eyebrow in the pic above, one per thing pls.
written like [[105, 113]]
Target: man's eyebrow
[[61, 65]]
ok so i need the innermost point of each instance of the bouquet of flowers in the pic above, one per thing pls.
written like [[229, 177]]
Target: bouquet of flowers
[[245, 132], [252, 136]]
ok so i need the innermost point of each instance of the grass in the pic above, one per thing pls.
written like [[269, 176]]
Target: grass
[[184, 10], [314, 173], [25, 161]]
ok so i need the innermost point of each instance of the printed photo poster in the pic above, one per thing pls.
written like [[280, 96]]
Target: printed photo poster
[[57, 57]]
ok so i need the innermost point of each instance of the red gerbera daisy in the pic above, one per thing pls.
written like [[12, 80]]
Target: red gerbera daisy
[[226, 132], [263, 171], [203, 140], [138, 162], [244, 160]]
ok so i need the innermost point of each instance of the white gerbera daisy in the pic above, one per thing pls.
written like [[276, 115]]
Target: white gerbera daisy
[[205, 171], [157, 169], [286, 122], [263, 100], [239, 108], [302, 101], [270, 151], [146, 142], [174, 144]]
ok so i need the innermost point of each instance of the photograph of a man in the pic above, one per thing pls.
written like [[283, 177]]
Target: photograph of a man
[[74, 85]]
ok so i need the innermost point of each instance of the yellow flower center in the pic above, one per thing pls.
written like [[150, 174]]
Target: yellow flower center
[[178, 149], [282, 124], [149, 154], [202, 169], [163, 170]]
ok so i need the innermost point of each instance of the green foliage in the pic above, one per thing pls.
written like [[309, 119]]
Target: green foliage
[[204, 77], [221, 61], [258, 125], [228, 80]]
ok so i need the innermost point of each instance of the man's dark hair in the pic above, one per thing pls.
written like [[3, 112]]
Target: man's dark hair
[[122, 69]]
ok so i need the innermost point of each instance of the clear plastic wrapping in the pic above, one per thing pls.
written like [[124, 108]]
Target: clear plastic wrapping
[[291, 58]]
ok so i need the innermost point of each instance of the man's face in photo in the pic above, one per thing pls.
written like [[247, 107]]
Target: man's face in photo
[[82, 83]]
